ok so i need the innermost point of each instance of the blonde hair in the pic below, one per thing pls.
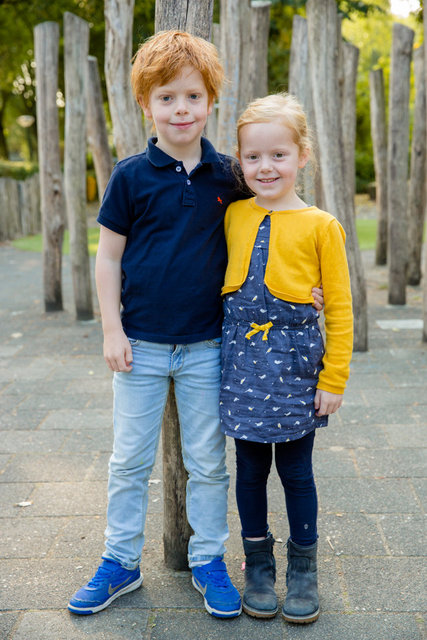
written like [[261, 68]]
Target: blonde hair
[[163, 56], [283, 107]]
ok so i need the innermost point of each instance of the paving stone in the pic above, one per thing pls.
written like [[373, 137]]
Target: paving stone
[[14, 417], [13, 494], [354, 534], [32, 441], [405, 534], [107, 625], [385, 584], [334, 461], [76, 419], [81, 537], [51, 467], [366, 495], [413, 434], [420, 487], [398, 463], [7, 622], [186, 625], [357, 627], [66, 498], [28, 537]]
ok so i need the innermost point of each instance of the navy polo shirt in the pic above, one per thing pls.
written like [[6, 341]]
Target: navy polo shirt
[[174, 261]]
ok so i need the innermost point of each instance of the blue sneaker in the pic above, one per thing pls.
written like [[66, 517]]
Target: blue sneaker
[[109, 582], [220, 595]]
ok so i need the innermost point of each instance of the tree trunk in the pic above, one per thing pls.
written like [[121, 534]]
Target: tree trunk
[[212, 123], [350, 60], [97, 129], [124, 111], [323, 38], [397, 161], [230, 51], [424, 336], [379, 144], [176, 530], [46, 37], [76, 47], [417, 191]]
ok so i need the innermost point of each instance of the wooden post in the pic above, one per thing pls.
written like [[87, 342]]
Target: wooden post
[[46, 41], [397, 161], [379, 144], [258, 59], [300, 86], [350, 60], [76, 46], [176, 530], [125, 113], [230, 51], [323, 38], [97, 129], [424, 336], [29, 205], [9, 209], [417, 184], [212, 123]]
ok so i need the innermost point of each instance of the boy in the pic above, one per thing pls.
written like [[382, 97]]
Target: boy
[[162, 256]]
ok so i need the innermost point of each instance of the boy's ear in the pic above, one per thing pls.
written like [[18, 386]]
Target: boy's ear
[[146, 109], [210, 106], [303, 158]]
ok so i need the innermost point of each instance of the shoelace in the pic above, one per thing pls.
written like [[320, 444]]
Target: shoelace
[[219, 578], [100, 576]]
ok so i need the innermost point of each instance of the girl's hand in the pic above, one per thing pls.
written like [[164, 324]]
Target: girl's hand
[[317, 293], [326, 403], [117, 351]]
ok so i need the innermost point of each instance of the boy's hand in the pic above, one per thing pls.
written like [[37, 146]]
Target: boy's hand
[[118, 352], [326, 403], [317, 293]]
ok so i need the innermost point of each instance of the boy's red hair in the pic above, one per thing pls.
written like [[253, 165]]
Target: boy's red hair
[[163, 56]]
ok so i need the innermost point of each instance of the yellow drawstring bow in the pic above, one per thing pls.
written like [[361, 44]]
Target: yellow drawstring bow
[[259, 327]]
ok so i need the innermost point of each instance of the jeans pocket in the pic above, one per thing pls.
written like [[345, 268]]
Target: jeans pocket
[[133, 342]]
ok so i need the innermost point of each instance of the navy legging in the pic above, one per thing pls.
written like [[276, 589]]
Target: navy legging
[[294, 466]]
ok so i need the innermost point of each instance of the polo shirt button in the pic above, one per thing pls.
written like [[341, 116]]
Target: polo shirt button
[[188, 181], [178, 168]]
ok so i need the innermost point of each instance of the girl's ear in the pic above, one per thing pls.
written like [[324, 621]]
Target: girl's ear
[[304, 157]]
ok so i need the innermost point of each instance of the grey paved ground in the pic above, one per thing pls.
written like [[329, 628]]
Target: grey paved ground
[[55, 439]]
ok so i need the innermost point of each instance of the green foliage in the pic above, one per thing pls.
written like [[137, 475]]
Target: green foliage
[[17, 170], [35, 243]]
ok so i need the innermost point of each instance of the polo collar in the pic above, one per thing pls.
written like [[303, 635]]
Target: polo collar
[[159, 158]]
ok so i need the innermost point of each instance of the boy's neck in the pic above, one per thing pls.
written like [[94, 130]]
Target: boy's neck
[[189, 155]]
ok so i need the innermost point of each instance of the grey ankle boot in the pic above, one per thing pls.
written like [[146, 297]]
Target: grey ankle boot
[[302, 599], [259, 598]]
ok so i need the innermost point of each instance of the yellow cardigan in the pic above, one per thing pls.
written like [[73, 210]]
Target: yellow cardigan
[[307, 249]]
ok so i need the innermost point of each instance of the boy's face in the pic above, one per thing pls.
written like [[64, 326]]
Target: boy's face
[[179, 110]]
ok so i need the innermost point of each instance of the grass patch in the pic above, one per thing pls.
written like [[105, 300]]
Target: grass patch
[[35, 243], [366, 232]]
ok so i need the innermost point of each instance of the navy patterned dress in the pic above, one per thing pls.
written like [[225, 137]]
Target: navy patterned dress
[[272, 354]]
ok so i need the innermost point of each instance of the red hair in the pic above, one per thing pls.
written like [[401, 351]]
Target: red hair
[[163, 56]]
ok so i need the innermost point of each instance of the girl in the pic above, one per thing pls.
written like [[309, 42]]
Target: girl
[[279, 383]]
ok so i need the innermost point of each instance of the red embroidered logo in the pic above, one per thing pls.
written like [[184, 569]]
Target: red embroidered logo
[[219, 200]]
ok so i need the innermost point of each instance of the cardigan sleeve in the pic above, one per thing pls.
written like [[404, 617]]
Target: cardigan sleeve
[[338, 309]]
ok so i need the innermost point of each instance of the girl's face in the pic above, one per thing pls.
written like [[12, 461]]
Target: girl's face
[[270, 160]]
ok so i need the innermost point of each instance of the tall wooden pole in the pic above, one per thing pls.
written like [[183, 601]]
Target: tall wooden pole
[[46, 40], [350, 60], [424, 336], [379, 144], [230, 52], [323, 38], [417, 183], [125, 113], [194, 16], [96, 128], [397, 162], [76, 43]]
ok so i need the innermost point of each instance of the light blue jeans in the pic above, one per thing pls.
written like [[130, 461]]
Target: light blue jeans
[[139, 401]]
